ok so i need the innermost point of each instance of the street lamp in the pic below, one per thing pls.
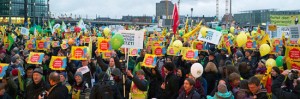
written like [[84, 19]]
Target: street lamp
[[9, 13], [192, 16]]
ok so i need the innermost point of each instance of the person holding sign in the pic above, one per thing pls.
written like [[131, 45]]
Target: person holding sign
[[171, 85], [138, 85], [113, 63]]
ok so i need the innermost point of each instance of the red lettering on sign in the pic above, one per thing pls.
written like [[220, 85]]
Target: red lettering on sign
[[1, 69], [104, 45], [107, 54], [41, 45], [35, 58], [199, 46], [87, 39], [249, 44], [78, 53], [161, 38], [294, 53], [190, 54], [57, 63], [30, 46], [149, 60], [156, 44], [276, 42], [295, 66], [134, 52], [158, 51], [171, 51]]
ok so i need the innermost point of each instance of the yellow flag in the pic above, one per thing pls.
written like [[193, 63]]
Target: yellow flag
[[193, 31], [186, 30]]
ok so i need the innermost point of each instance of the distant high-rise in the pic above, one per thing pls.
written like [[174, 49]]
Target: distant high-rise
[[14, 10], [163, 9]]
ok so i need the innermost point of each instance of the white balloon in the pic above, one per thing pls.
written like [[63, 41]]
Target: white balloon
[[196, 70]]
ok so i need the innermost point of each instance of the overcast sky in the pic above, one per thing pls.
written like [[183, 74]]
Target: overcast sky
[[119, 8]]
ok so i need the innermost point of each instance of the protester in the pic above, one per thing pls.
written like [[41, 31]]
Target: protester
[[256, 89], [210, 74], [170, 86], [38, 86], [222, 93], [189, 91], [280, 93], [57, 90], [3, 93], [137, 85]]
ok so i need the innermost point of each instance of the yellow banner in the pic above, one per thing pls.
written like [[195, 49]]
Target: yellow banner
[[29, 45], [103, 45], [40, 44], [133, 52], [198, 45], [190, 54], [283, 20], [292, 53], [35, 58], [158, 50], [149, 61], [173, 51], [58, 63], [79, 53]]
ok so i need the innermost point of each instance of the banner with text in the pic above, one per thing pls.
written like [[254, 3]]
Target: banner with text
[[132, 39], [79, 53], [58, 63], [212, 36], [35, 58]]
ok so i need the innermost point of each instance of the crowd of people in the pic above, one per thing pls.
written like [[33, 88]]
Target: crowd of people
[[235, 75]]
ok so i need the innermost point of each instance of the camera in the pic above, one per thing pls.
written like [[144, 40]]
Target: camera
[[293, 75], [43, 93]]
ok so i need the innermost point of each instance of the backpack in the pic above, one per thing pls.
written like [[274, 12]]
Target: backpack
[[105, 90]]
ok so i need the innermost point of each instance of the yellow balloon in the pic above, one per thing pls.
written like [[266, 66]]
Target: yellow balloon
[[203, 31], [231, 30], [241, 39], [106, 31], [270, 62], [264, 49], [177, 44]]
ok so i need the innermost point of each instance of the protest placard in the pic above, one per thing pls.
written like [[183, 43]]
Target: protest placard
[[79, 53], [212, 36], [35, 58], [58, 63], [150, 61], [132, 39]]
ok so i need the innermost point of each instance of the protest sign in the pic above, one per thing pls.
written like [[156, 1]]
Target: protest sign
[[58, 63], [173, 51], [198, 45], [55, 44], [190, 54], [103, 45], [133, 52], [132, 39], [292, 53], [212, 36], [3, 68], [106, 55], [158, 50], [150, 61], [78, 53], [35, 58], [24, 31], [83, 69], [40, 44], [162, 39], [29, 45], [283, 20]]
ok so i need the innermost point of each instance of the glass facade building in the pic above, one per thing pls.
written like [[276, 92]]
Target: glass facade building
[[37, 10]]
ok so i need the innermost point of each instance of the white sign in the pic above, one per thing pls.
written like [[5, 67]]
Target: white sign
[[294, 32], [280, 30], [24, 31], [212, 36], [83, 69], [132, 39]]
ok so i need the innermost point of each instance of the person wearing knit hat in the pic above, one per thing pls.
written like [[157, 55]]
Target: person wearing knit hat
[[222, 93], [38, 70]]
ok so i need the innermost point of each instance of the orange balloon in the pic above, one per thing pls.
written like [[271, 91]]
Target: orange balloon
[[71, 41]]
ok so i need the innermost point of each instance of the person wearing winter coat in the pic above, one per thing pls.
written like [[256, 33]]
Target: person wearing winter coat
[[243, 91], [210, 74], [79, 87], [57, 90], [256, 89], [38, 86], [280, 93], [137, 85], [170, 86], [155, 80], [3, 93], [222, 93], [189, 90]]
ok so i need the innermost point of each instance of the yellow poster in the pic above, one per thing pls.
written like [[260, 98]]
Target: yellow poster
[[40, 44], [158, 50], [35, 58], [190, 54], [292, 53], [58, 63], [29, 45], [198, 45], [87, 39], [173, 51], [79, 53], [106, 55], [103, 45], [149, 61], [133, 52], [55, 44]]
